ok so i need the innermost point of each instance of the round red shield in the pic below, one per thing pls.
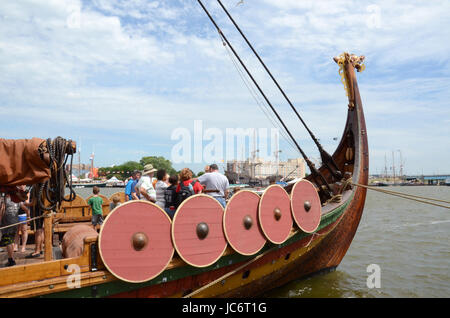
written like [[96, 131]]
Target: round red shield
[[240, 223], [275, 215], [135, 243], [305, 205], [197, 231]]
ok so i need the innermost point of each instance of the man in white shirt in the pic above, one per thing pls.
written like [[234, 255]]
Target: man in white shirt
[[145, 184], [216, 184]]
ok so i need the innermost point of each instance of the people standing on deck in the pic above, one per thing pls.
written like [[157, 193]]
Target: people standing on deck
[[160, 186], [96, 203], [167, 179], [145, 184], [170, 196], [216, 184], [24, 213], [135, 194], [272, 180], [38, 224], [187, 186], [10, 212], [130, 182]]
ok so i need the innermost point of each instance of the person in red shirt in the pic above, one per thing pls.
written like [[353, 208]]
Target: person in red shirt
[[186, 179], [187, 187]]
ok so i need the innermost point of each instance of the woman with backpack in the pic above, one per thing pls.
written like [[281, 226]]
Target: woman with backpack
[[187, 186]]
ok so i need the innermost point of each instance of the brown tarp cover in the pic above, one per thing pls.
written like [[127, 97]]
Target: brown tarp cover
[[20, 162]]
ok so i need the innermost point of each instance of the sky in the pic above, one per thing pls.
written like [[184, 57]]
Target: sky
[[135, 78]]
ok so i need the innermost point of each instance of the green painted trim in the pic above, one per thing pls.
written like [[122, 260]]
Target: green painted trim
[[115, 287]]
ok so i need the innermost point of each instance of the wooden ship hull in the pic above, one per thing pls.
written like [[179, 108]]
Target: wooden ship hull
[[232, 274]]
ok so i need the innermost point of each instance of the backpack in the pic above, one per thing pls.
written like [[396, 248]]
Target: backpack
[[170, 196], [185, 192]]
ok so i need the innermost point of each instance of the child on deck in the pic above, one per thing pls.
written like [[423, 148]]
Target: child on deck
[[96, 206], [115, 203]]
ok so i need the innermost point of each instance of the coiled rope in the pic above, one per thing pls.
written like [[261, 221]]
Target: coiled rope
[[59, 151]]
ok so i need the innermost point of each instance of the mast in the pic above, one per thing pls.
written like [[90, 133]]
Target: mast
[[277, 158], [385, 168], [393, 166], [79, 160], [92, 162], [401, 166]]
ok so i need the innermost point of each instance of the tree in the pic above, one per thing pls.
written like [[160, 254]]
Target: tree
[[159, 163], [131, 166], [122, 171]]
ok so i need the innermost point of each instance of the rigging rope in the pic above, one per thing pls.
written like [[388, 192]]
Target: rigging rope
[[406, 196], [26, 221], [259, 101], [327, 160], [403, 195], [325, 190]]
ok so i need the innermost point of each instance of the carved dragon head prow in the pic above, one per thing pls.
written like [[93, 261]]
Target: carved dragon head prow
[[357, 63]]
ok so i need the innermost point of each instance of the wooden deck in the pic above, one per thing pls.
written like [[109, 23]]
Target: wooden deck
[[19, 257], [72, 213]]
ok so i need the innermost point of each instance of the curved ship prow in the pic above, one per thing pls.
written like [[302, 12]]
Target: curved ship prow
[[257, 243]]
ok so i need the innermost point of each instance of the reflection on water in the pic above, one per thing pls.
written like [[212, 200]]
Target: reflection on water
[[410, 241]]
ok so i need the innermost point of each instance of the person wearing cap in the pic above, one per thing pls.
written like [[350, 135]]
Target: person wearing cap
[[145, 184]]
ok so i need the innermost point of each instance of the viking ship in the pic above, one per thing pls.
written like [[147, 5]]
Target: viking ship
[[254, 244]]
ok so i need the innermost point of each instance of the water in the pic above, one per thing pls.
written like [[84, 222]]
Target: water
[[408, 240], [87, 192]]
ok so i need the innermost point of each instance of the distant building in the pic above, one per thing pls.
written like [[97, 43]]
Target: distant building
[[261, 169]]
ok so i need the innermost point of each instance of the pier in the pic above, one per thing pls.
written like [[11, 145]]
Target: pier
[[438, 179]]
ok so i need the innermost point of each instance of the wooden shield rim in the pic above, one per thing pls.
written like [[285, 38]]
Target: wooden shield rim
[[225, 230], [100, 236], [173, 234], [259, 214], [292, 206]]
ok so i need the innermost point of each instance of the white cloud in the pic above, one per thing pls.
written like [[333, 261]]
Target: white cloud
[[104, 67]]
